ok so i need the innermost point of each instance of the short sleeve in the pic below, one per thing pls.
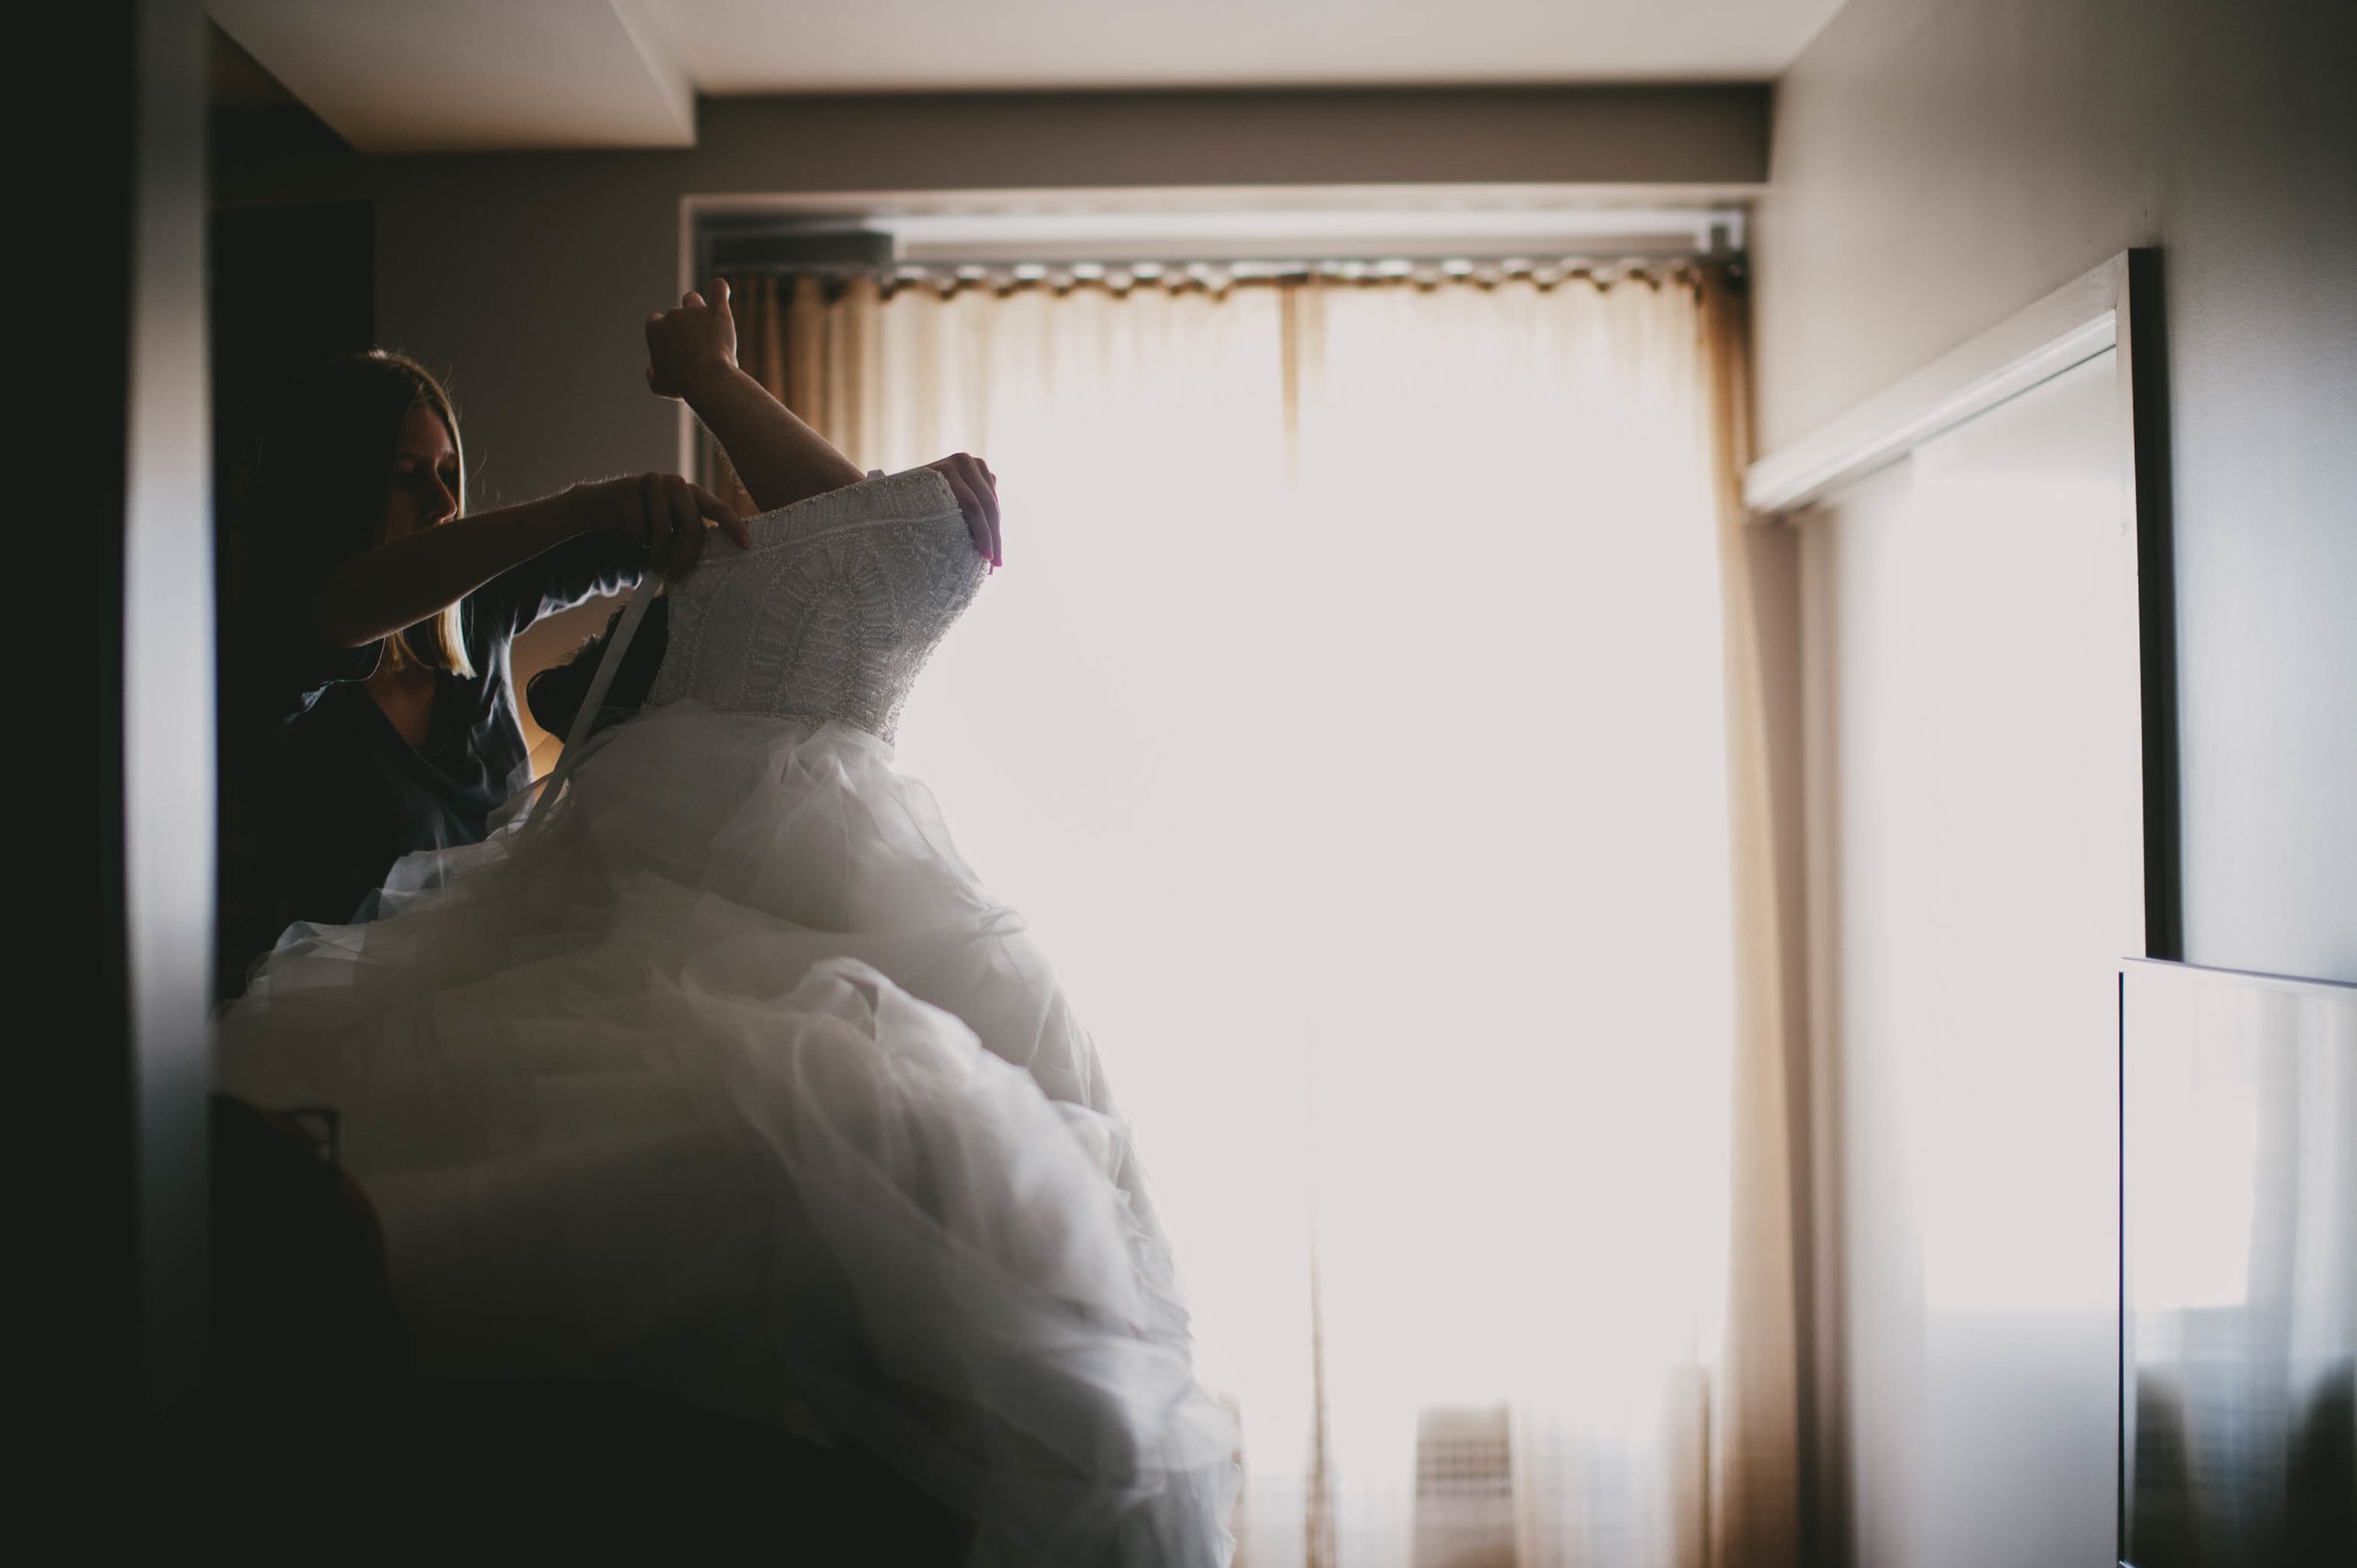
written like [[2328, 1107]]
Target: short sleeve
[[574, 573]]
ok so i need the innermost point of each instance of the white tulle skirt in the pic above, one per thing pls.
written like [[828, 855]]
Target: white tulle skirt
[[726, 1077]]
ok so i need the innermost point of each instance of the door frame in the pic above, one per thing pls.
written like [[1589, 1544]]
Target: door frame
[[2118, 306]]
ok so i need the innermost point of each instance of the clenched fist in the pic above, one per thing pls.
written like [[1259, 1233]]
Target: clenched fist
[[688, 345]]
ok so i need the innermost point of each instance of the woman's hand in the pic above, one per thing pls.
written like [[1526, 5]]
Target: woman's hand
[[663, 513], [977, 490], [691, 353], [687, 346]]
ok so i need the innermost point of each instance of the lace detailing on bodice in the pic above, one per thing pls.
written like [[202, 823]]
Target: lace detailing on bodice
[[833, 611]]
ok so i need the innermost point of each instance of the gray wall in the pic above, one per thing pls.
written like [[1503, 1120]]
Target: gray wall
[[1937, 164]]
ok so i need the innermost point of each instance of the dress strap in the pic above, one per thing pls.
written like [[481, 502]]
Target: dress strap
[[600, 684]]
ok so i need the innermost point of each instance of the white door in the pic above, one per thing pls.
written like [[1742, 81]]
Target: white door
[[1976, 872]]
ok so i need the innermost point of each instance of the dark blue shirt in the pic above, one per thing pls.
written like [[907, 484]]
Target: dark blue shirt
[[331, 793]]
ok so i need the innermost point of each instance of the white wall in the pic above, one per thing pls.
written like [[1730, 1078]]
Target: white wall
[[1937, 164]]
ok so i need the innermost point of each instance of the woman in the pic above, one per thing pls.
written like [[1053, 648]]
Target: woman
[[721, 1074], [367, 709]]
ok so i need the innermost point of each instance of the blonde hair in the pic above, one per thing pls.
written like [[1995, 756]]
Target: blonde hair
[[323, 483]]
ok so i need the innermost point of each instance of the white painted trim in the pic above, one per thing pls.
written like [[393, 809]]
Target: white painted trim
[[1275, 224], [921, 237], [2073, 324], [1516, 208]]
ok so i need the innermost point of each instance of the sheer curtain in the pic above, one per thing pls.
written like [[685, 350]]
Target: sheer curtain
[[1352, 720]]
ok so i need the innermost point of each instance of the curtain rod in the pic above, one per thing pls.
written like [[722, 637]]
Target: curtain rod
[[1224, 272]]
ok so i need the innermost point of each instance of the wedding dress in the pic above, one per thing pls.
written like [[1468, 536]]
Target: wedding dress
[[720, 1073]]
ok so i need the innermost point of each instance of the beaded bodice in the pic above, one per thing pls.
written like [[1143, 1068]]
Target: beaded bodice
[[833, 612]]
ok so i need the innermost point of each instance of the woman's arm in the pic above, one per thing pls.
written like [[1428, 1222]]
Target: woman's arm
[[692, 355], [781, 459], [403, 581]]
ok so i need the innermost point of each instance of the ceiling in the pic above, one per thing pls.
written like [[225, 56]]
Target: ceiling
[[453, 75], [734, 47]]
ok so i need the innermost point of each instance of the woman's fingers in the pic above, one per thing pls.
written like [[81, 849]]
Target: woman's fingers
[[977, 500], [970, 506], [988, 485], [659, 357], [671, 517], [688, 525], [650, 528], [720, 512], [690, 338], [985, 489], [663, 541], [633, 516]]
